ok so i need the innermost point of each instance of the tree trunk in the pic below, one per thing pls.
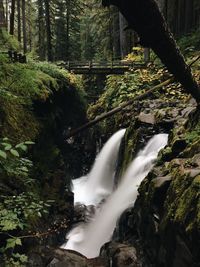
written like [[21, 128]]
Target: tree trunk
[[123, 43], [29, 25], [41, 30], [145, 18], [19, 20], [115, 35], [24, 26], [48, 30], [68, 6], [2, 16], [6, 15], [12, 17]]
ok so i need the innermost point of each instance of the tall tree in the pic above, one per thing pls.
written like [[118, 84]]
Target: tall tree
[[68, 13], [24, 26], [6, 14], [48, 30], [116, 34], [41, 30], [19, 20], [29, 24], [2, 16], [12, 17], [61, 32]]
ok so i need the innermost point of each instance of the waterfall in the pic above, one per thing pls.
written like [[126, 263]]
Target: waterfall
[[98, 184], [88, 238]]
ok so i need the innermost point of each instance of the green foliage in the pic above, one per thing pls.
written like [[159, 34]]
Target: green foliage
[[96, 33], [122, 88], [193, 135], [24, 84], [17, 260], [37, 100], [136, 55], [20, 211], [22, 206], [190, 42], [12, 163], [8, 42]]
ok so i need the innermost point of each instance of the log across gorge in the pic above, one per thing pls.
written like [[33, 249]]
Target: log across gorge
[[145, 18]]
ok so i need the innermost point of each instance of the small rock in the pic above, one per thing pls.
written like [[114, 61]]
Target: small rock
[[185, 112], [192, 172], [147, 118], [161, 181]]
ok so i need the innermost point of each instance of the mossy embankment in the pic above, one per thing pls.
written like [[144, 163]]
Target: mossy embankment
[[39, 102]]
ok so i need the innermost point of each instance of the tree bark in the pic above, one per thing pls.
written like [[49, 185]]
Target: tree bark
[[19, 20], [6, 15], [41, 30], [68, 6], [30, 25], [2, 16], [115, 37], [48, 30], [123, 44], [145, 18], [12, 17], [24, 26]]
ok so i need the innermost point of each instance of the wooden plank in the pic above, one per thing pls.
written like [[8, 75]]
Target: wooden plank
[[106, 67]]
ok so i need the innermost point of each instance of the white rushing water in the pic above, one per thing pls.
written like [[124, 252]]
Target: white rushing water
[[98, 184], [88, 238]]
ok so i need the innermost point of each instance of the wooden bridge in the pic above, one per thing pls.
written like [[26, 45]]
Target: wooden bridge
[[113, 67]]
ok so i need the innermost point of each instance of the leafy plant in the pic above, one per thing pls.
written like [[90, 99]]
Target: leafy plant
[[137, 54], [21, 207], [17, 260]]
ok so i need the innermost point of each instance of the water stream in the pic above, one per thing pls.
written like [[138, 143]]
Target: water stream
[[88, 238], [98, 184]]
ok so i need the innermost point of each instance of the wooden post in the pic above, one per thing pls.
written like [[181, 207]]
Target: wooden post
[[146, 55], [68, 65]]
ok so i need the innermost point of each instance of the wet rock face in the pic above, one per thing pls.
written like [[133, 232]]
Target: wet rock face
[[120, 255], [166, 217], [63, 258], [151, 117]]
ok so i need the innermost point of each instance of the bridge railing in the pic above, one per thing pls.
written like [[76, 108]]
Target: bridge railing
[[70, 65]]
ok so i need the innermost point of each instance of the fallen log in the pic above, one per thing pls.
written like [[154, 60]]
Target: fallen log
[[118, 109], [145, 18]]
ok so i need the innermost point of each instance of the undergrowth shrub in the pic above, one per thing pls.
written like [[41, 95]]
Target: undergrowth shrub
[[20, 203]]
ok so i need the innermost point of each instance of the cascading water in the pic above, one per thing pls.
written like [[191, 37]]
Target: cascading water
[[88, 238], [98, 184]]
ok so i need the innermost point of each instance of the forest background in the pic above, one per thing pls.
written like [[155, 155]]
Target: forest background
[[81, 30]]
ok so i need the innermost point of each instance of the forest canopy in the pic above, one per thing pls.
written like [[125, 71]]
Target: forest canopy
[[82, 29]]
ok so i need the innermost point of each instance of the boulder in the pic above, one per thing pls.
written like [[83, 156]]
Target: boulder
[[146, 118], [70, 258], [121, 255]]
